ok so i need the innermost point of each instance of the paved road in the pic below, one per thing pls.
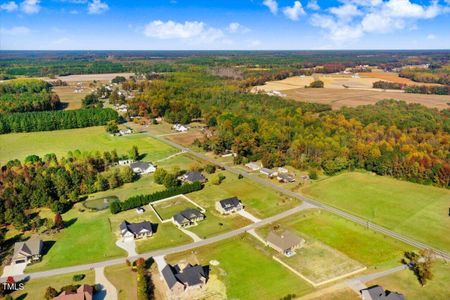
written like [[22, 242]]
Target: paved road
[[163, 252], [315, 203]]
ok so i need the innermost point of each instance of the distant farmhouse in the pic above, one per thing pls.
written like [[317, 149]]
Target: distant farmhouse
[[253, 166], [285, 178], [84, 292], [28, 251], [188, 217], [229, 206], [125, 131], [181, 280], [136, 230], [180, 128], [268, 172], [377, 292], [286, 242], [191, 177], [142, 168]]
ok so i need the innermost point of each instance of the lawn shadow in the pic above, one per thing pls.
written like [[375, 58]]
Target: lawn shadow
[[155, 227], [70, 222], [62, 105], [47, 246], [22, 297]]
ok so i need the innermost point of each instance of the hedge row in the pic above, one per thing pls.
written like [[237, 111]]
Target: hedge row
[[141, 200]]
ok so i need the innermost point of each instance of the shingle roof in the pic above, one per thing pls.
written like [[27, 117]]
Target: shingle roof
[[141, 165], [194, 176], [187, 215], [33, 246], [285, 240], [136, 228], [377, 292], [189, 276], [229, 203], [169, 276]]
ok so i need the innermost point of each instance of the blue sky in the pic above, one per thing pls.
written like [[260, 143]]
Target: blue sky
[[231, 24]]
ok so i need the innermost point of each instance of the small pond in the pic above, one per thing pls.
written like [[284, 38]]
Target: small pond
[[100, 203]]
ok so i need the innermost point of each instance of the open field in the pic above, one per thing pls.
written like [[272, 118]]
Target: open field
[[124, 279], [371, 249], [87, 238], [246, 271], [405, 282], [20, 145], [168, 208], [186, 139], [91, 77], [414, 210], [338, 98], [69, 97], [35, 288], [391, 76]]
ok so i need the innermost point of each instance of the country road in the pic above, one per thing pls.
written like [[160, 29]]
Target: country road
[[315, 203], [167, 251]]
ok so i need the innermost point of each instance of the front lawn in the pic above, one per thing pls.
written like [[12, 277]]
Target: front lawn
[[124, 280], [417, 211], [168, 208], [215, 224]]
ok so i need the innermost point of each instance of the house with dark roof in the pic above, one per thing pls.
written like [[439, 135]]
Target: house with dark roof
[[84, 292], [182, 279], [188, 217], [377, 292], [191, 177], [229, 206], [285, 178], [28, 251], [285, 242], [142, 167], [135, 230]]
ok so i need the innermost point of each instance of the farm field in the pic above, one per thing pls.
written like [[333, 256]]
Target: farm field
[[371, 249], [17, 145], [91, 77], [35, 288], [124, 280], [69, 97], [391, 76], [87, 238], [414, 210], [338, 98], [240, 261], [406, 283]]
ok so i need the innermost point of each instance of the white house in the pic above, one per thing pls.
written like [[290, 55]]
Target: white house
[[125, 131], [125, 162], [180, 128], [253, 166], [142, 168]]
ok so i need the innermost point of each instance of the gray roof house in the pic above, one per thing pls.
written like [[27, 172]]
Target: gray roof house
[[229, 205], [142, 167], [285, 177], [180, 279], [285, 242], [188, 217], [377, 292], [136, 230], [191, 177], [28, 251], [268, 172]]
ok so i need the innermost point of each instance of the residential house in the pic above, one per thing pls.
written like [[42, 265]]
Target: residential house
[[125, 162], [269, 172], [142, 168], [253, 166], [305, 177], [377, 292], [191, 177], [136, 230], [285, 242], [180, 128], [84, 292], [285, 178], [282, 170], [188, 217], [125, 131], [229, 206], [28, 251], [181, 279]]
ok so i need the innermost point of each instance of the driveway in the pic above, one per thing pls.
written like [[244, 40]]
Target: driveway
[[249, 216], [193, 236], [14, 269], [160, 262], [107, 291], [128, 245]]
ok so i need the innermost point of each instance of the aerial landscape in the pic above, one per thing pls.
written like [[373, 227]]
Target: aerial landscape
[[272, 149]]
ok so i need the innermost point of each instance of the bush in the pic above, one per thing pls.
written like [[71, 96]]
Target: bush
[[210, 169], [316, 84], [216, 180], [78, 277], [313, 174], [240, 176], [159, 175]]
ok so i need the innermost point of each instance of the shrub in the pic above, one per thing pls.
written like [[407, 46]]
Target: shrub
[[316, 84], [210, 169], [78, 277], [313, 174]]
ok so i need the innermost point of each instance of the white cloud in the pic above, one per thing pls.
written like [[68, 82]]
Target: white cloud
[[294, 12], [30, 6], [235, 27], [272, 5], [16, 30], [312, 4], [431, 36], [254, 43], [9, 6], [97, 7], [189, 30], [61, 41], [354, 18]]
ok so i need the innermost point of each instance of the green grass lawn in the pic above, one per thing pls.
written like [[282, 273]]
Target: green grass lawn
[[124, 279], [248, 272], [215, 224], [20, 145], [35, 288], [168, 208], [366, 246], [88, 239], [417, 211], [406, 283]]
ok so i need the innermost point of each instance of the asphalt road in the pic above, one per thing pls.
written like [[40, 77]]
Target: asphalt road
[[315, 203]]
